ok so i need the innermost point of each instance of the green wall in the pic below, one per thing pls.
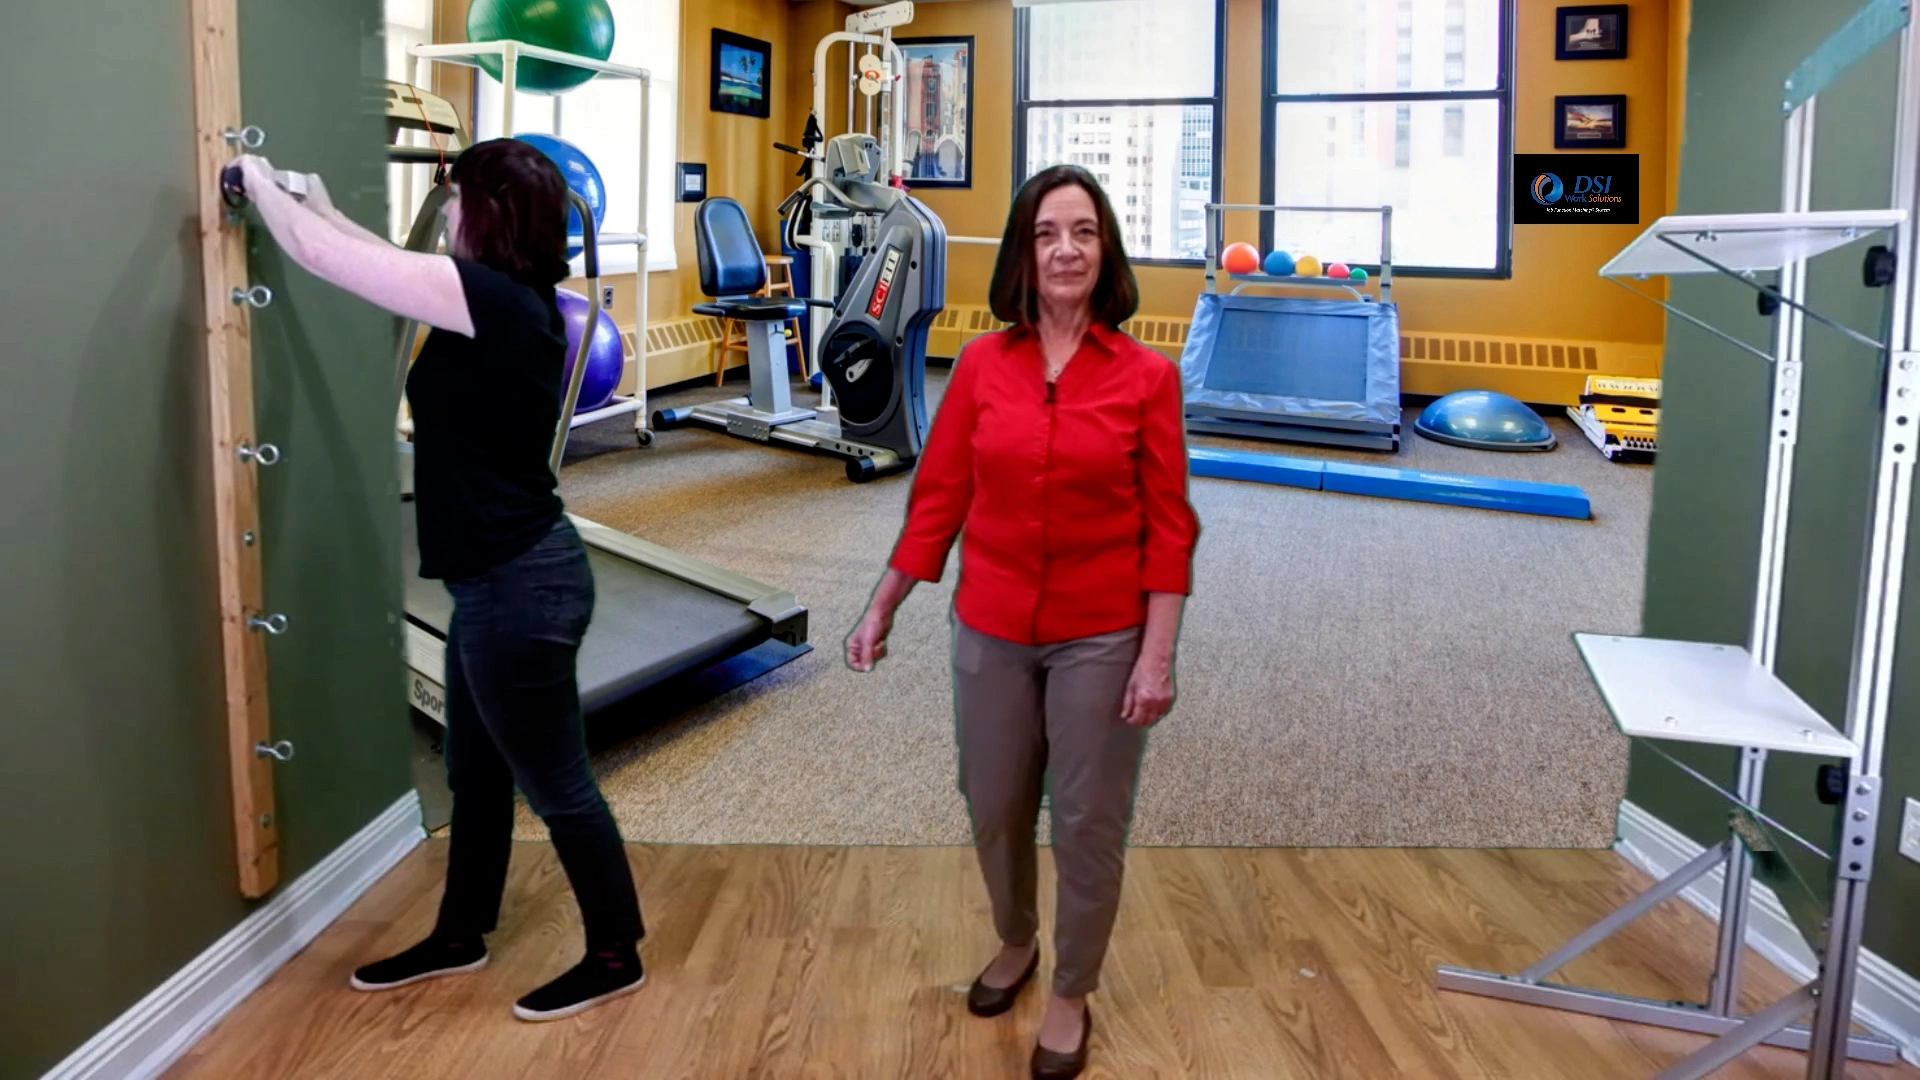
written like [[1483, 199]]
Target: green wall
[[118, 857], [1703, 544]]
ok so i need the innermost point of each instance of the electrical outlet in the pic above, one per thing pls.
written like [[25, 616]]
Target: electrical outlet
[[606, 296], [1910, 831]]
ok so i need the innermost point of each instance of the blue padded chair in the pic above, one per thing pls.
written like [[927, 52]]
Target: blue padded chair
[[732, 269]]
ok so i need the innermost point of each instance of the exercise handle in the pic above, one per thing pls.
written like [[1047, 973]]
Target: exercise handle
[[280, 751], [233, 186]]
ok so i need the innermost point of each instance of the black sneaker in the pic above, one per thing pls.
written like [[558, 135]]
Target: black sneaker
[[430, 959], [602, 976]]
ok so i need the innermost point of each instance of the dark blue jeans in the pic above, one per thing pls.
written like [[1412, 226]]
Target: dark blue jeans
[[513, 719]]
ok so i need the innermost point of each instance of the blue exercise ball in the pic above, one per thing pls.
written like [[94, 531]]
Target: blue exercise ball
[[606, 358], [581, 176], [1278, 263], [1484, 420]]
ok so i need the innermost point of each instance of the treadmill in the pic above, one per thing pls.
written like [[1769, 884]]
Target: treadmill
[[658, 615]]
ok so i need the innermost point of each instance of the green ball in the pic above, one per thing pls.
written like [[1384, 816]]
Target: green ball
[[1358, 273], [581, 27]]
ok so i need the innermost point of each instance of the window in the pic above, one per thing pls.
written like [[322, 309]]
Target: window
[[1149, 68], [408, 23], [1434, 73], [602, 118]]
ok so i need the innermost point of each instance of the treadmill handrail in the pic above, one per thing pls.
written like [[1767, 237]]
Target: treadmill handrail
[[776, 605]]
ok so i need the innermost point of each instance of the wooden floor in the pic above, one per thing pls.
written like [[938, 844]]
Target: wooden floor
[[809, 963]]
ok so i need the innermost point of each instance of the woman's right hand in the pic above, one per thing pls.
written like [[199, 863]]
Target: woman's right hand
[[867, 645]]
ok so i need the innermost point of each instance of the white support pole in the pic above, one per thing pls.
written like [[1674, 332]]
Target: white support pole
[[640, 273], [509, 85], [1796, 196], [1877, 632]]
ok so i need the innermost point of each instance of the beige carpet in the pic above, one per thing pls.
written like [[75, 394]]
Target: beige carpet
[[1352, 671]]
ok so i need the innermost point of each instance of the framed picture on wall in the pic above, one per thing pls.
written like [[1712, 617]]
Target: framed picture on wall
[[741, 70], [937, 94], [1593, 32], [1590, 122]]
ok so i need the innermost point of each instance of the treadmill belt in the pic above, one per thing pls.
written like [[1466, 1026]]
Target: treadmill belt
[[647, 626]]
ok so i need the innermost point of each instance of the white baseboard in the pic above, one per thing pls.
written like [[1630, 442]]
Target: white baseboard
[[1885, 999], [148, 1038]]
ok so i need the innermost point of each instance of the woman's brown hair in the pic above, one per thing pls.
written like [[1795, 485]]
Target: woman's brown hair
[[1015, 293], [513, 210]]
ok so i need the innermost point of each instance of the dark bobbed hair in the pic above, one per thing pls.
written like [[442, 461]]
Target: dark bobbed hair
[[1015, 292], [513, 210]]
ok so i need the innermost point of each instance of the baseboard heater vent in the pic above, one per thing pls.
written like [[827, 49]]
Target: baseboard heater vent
[[677, 350], [1541, 372]]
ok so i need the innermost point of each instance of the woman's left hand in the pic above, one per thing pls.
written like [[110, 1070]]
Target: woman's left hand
[[1149, 690]]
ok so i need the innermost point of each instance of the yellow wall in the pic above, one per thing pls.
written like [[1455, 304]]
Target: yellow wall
[[1554, 292], [1679, 23]]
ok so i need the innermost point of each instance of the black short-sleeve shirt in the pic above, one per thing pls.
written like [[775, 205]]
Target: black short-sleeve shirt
[[484, 413]]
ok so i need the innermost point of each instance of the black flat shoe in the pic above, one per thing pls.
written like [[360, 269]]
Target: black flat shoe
[[1054, 1065], [984, 1000]]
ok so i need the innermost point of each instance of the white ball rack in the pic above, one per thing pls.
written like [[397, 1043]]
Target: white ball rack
[[468, 54], [1728, 695]]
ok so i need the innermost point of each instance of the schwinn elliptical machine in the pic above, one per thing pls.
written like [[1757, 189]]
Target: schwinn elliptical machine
[[872, 352]]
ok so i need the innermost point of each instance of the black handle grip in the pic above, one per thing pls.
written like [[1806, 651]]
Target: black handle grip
[[589, 238], [789, 149], [233, 186]]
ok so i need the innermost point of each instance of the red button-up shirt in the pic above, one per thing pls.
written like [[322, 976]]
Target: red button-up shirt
[[1073, 494]]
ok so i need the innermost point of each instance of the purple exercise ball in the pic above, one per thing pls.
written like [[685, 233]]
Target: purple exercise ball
[[606, 359]]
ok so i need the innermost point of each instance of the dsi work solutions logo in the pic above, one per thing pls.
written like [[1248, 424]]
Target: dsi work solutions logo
[[1576, 189]]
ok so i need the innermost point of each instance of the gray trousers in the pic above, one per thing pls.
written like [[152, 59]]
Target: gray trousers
[[1048, 716]]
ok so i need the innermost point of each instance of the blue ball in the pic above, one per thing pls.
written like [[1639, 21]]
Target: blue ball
[[581, 176], [1279, 264]]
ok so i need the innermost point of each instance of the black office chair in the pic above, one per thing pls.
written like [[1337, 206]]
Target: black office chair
[[732, 269]]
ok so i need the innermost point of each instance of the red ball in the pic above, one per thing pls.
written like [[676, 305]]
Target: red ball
[[1337, 270], [1240, 258]]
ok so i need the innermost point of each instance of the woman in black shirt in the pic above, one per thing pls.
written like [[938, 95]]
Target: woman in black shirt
[[485, 394]]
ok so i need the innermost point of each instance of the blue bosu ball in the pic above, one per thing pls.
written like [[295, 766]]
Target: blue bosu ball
[[1484, 420]]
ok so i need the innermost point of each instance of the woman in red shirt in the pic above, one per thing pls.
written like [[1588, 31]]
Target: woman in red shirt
[[1061, 448]]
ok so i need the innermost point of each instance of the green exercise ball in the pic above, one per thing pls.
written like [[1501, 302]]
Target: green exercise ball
[[581, 27]]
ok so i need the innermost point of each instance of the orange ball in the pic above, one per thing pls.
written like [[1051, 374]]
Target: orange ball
[[1240, 258]]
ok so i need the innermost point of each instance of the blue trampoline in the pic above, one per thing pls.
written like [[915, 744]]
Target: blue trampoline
[[1292, 368]]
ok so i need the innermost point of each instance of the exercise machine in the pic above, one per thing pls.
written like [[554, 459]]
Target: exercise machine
[[659, 614], [874, 352], [1290, 368], [1661, 692]]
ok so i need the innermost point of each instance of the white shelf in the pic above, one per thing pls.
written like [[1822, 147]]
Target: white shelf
[[1744, 242], [1689, 691], [616, 239], [469, 53]]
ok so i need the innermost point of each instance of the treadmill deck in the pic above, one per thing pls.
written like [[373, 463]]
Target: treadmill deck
[[647, 626]]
